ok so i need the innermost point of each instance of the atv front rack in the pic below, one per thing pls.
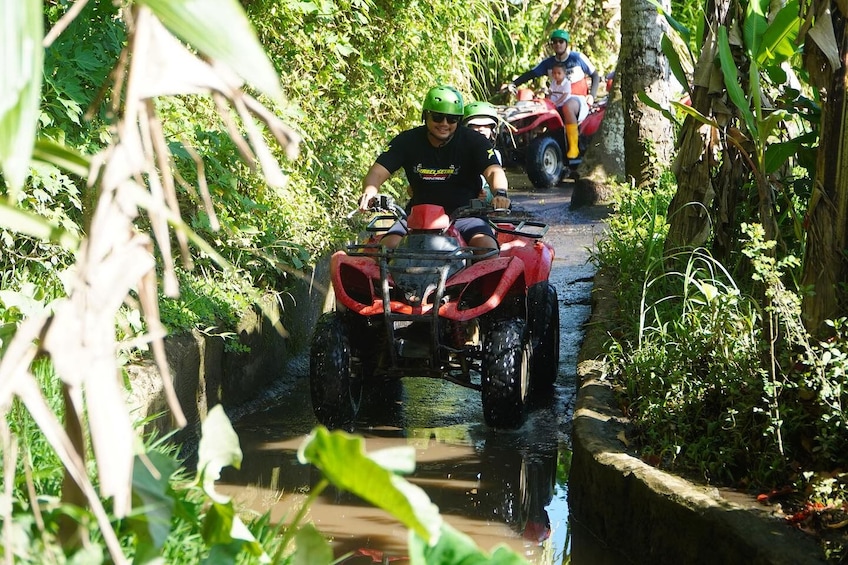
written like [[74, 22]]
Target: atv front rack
[[519, 227], [424, 278], [512, 225]]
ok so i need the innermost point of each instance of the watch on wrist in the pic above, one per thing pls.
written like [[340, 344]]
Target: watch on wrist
[[501, 192]]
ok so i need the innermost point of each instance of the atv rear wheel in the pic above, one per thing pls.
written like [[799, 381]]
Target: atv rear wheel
[[335, 378], [505, 374], [544, 162], [543, 316]]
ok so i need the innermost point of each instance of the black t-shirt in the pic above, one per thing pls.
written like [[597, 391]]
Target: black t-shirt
[[449, 175]]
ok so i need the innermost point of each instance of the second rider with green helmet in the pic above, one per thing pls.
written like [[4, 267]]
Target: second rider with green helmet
[[443, 162], [483, 118]]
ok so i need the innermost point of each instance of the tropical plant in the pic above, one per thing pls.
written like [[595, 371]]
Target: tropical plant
[[764, 118], [114, 258], [711, 395]]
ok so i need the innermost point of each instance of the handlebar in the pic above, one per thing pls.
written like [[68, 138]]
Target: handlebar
[[381, 204], [500, 219]]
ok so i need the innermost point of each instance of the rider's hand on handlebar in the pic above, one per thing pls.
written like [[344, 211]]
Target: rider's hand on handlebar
[[510, 87], [366, 202], [501, 203]]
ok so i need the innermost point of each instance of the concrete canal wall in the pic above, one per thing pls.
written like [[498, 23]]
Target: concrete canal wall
[[654, 517], [205, 372]]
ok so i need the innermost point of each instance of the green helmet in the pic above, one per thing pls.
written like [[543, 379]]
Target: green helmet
[[444, 99], [480, 110], [560, 34]]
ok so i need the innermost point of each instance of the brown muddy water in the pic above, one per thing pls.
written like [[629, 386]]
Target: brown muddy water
[[497, 487]]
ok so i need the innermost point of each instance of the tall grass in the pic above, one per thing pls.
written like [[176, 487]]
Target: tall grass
[[711, 395]]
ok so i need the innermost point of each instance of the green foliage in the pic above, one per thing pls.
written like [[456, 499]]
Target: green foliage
[[20, 83], [39, 463], [634, 241], [76, 66], [694, 376], [711, 395], [202, 304], [826, 375]]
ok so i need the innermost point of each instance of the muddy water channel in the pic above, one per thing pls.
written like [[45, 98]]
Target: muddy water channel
[[497, 487]]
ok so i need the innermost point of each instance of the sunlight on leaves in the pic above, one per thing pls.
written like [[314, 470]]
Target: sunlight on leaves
[[21, 32], [342, 459], [199, 23]]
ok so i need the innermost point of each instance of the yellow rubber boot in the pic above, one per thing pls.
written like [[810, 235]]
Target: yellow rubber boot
[[571, 135]]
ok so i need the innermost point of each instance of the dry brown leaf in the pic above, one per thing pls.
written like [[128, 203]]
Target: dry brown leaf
[[16, 380], [823, 34], [169, 68]]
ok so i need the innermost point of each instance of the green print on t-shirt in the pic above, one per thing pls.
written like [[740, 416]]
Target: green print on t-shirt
[[436, 174]]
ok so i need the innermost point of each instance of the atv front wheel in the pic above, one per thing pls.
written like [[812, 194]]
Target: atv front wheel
[[505, 374], [543, 316], [544, 162], [335, 381]]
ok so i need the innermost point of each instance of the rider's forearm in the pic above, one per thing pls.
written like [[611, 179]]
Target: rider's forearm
[[496, 177], [374, 179], [524, 78], [596, 80]]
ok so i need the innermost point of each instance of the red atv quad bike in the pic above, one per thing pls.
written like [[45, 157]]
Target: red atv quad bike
[[434, 307], [534, 138]]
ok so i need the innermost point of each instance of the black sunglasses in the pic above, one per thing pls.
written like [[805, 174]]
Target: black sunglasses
[[557, 41], [440, 117]]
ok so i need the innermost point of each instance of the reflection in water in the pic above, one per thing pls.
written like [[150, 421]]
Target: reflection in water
[[496, 487]]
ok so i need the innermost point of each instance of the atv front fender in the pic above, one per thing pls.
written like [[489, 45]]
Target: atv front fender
[[505, 274], [538, 257]]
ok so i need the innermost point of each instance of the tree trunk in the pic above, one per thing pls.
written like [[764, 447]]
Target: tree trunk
[[825, 260], [648, 135], [690, 214], [604, 159]]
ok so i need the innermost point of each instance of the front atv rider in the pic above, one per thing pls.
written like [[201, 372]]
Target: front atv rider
[[443, 162], [577, 68]]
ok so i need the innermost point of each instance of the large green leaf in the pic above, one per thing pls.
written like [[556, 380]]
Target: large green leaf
[[223, 530], [342, 459], [311, 547], [153, 505], [778, 42], [61, 156], [220, 29], [219, 448], [674, 62], [33, 225], [777, 153], [651, 103], [731, 81], [689, 110], [456, 548], [755, 25], [21, 56]]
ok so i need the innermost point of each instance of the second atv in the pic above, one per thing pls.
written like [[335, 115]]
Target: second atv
[[534, 138]]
